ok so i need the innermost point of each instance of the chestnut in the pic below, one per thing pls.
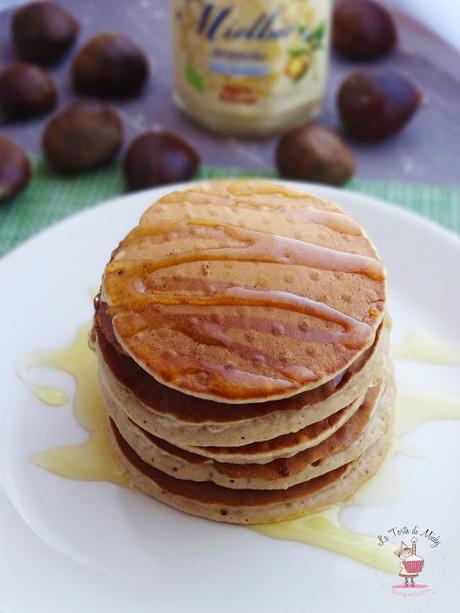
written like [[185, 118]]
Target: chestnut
[[157, 158], [14, 168], [43, 32], [314, 153], [362, 29], [109, 65], [26, 91], [375, 105], [85, 135]]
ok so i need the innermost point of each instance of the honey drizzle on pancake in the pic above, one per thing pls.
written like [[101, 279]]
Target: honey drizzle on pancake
[[202, 330], [237, 383], [252, 246], [94, 460], [154, 395], [131, 292], [331, 219], [126, 289], [356, 332], [198, 328]]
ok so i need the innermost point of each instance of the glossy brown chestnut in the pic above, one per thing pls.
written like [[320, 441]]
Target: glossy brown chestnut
[[157, 158], [14, 168], [43, 32], [26, 91], [374, 105], [109, 65], [84, 135], [362, 29], [314, 153]]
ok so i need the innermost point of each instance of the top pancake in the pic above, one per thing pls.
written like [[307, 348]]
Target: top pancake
[[243, 291]]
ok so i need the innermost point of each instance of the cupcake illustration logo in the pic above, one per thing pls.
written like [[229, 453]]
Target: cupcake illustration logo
[[413, 568], [411, 565]]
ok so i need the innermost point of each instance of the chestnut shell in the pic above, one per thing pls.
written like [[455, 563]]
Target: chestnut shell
[[26, 91], [109, 65], [15, 169], [374, 105], [158, 158], [362, 29], [314, 153], [43, 32], [83, 136]]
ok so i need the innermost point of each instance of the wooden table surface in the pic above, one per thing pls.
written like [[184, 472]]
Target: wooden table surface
[[428, 151]]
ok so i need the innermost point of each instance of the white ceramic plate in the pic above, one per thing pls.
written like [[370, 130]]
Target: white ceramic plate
[[69, 546]]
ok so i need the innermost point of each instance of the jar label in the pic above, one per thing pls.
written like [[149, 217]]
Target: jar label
[[250, 57]]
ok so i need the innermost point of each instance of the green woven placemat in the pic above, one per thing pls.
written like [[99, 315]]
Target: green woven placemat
[[50, 197]]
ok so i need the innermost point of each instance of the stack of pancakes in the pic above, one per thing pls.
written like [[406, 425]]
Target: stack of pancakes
[[243, 352]]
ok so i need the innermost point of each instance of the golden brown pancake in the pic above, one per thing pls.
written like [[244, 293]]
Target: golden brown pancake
[[285, 445], [242, 354], [244, 291], [210, 492], [345, 445], [294, 413], [265, 451], [171, 403], [213, 501]]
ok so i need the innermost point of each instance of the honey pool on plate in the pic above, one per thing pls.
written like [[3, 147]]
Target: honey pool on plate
[[94, 460]]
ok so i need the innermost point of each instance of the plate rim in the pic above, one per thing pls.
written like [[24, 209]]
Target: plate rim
[[390, 212]]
